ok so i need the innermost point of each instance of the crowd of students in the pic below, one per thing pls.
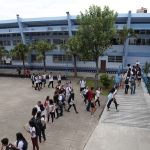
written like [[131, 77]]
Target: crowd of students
[[127, 80], [63, 99]]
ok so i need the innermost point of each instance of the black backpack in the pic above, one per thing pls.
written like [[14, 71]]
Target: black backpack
[[127, 81], [132, 81], [34, 121], [25, 144], [9, 147]]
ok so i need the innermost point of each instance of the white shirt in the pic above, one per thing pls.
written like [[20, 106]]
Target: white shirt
[[97, 93], [52, 108], [44, 76], [59, 77], [60, 97], [20, 145], [82, 84], [32, 132], [110, 96], [51, 78], [68, 90], [38, 108]]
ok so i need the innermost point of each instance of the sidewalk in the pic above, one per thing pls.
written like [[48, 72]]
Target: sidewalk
[[128, 129]]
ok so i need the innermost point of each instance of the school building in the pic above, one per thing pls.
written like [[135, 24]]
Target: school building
[[58, 29]]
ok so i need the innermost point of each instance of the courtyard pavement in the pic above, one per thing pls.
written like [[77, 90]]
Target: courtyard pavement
[[70, 132], [128, 129]]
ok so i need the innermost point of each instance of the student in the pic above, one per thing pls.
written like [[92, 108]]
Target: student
[[51, 110], [127, 85], [93, 106], [43, 121], [90, 96], [38, 125], [33, 79], [97, 96], [85, 91], [33, 134], [59, 78], [21, 142], [37, 83], [111, 97], [51, 80], [71, 102], [132, 85], [46, 105], [82, 85], [139, 76], [7, 146], [44, 79]]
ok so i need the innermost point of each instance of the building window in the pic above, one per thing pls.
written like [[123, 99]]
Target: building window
[[61, 58], [114, 58], [58, 41], [15, 42], [85, 59]]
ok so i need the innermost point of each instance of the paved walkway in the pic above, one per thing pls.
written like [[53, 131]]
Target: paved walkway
[[128, 129], [70, 132]]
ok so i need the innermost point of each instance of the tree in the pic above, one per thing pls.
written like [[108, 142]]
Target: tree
[[73, 48], [124, 34], [2, 51], [96, 29], [41, 47], [146, 68], [20, 50]]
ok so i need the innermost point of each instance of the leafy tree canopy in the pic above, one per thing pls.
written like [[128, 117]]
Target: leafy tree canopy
[[96, 29]]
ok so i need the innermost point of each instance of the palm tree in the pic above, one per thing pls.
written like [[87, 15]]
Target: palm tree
[[20, 50], [73, 48], [125, 34], [41, 47]]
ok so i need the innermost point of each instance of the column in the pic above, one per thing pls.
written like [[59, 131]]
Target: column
[[21, 29], [127, 41]]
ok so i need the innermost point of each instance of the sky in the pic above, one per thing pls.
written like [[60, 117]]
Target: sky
[[50, 8]]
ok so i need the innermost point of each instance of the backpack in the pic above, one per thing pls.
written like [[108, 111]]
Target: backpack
[[9, 147], [34, 121], [132, 81], [25, 144], [126, 81]]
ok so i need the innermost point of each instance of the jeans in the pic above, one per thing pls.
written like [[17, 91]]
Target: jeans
[[126, 88], [133, 87]]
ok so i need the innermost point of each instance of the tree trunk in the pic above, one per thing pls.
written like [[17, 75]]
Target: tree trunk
[[23, 62], [44, 63], [75, 66], [97, 73]]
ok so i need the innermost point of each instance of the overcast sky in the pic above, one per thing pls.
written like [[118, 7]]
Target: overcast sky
[[49, 8]]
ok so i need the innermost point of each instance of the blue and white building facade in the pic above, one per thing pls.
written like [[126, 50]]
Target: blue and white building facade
[[58, 29]]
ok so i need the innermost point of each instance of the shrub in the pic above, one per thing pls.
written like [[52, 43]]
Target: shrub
[[105, 81]]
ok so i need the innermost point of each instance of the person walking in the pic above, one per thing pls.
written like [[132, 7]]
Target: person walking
[[132, 85], [51, 110], [71, 102], [51, 80], [90, 96], [127, 85], [97, 96], [111, 98]]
